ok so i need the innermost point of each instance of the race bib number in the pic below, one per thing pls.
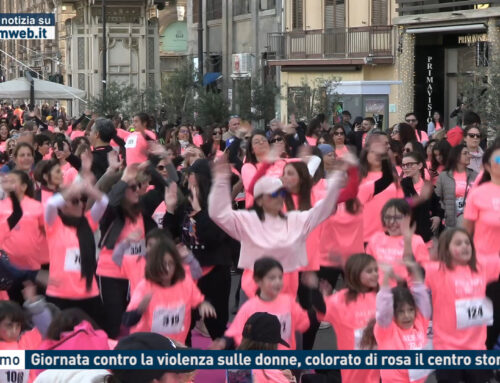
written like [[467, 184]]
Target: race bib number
[[286, 326], [473, 312], [73, 261], [460, 205], [168, 320], [358, 335], [14, 376], [131, 141], [136, 248]]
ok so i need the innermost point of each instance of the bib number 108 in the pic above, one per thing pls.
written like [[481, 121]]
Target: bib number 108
[[15, 376]]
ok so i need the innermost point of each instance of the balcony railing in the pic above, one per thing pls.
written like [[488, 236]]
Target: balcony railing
[[418, 7], [339, 43]]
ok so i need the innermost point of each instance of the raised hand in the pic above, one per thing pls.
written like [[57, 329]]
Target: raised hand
[[206, 310], [407, 230], [114, 161], [221, 168], [170, 197], [130, 173], [194, 199]]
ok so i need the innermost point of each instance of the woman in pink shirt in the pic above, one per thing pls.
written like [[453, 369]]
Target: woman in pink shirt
[[62, 152], [137, 142], [4, 135], [163, 300], [49, 174], [398, 239], [462, 310], [339, 137], [401, 321], [70, 236], [268, 274], [439, 158]]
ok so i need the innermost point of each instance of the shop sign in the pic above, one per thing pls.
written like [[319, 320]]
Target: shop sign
[[472, 39], [429, 86]]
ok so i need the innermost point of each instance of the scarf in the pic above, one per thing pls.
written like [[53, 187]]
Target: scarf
[[87, 246]]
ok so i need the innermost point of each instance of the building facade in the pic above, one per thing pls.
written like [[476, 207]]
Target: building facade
[[348, 47], [234, 39], [449, 44]]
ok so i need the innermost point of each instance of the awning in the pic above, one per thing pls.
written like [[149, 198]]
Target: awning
[[211, 77]]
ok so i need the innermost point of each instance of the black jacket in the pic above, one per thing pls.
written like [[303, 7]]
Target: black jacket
[[422, 213], [100, 160]]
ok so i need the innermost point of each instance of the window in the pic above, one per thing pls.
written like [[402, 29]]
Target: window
[[241, 7], [196, 15], [334, 14], [267, 4], [298, 14], [379, 12], [214, 9]]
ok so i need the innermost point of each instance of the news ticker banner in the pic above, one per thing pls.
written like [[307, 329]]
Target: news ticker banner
[[203, 359], [27, 26]]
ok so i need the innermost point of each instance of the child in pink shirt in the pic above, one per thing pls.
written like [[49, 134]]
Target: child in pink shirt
[[462, 310], [162, 302], [401, 321], [268, 274], [398, 239]]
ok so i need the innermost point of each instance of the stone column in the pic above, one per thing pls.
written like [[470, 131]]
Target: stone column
[[493, 69], [406, 72]]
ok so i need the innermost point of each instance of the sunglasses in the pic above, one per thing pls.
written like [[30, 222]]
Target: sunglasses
[[276, 139], [339, 134], [216, 133], [161, 168], [279, 193], [472, 135], [408, 165], [83, 199], [135, 187], [411, 120]]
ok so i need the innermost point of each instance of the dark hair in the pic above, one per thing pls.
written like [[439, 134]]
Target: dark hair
[[21, 145], [471, 118], [40, 139], [346, 113], [305, 186], [279, 132], [263, 266], [401, 294], [321, 117], [454, 157], [397, 150], [144, 117], [444, 256], [204, 182], [155, 265], [105, 129], [410, 114], [66, 320], [160, 234], [78, 141], [399, 204], [13, 311], [417, 147], [44, 167], [371, 120], [354, 266], [313, 127], [406, 133], [250, 154], [208, 141], [486, 177], [440, 117], [65, 125], [249, 344], [417, 156], [444, 148], [25, 180]]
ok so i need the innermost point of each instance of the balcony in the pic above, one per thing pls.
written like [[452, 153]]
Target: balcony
[[332, 46], [419, 7]]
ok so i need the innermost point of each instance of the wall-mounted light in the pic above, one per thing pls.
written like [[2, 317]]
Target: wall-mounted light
[[63, 8], [181, 12]]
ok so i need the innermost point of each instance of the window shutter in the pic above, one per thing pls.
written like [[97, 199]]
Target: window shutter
[[298, 14], [196, 16], [334, 14], [379, 12]]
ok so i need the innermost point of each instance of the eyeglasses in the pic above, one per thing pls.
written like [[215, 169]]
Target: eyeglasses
[[216, 132], [276, 139], [339, 134], [408, 165], [135, 187], [278, 193], [184, 131], [410, 120], [75, 201], [393, 218], [472, 135], [161, 168]]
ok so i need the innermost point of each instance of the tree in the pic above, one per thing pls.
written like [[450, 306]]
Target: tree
[[211, 107], [117, 100]]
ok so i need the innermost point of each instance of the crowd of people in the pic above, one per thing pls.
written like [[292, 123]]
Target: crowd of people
[[113, 230]]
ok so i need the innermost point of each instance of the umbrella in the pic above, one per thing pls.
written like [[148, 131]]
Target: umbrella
[[44, 90]]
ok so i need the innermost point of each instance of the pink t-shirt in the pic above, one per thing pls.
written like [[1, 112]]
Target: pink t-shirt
[[290, 283], [419, 185], [460, 183], [106, 267], [291, 316], [461, 310], [29, 340], [25, 244], [137, 147], [340, 152], [387, 249], [69, 174], [269, 376], [169, 312], [77, 133], [483, 207], [349, 321], [159, 214], [198, 140], [342, 236], [423, 137], [311, 141], [396, 338], [65, 280], [372, 205]]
